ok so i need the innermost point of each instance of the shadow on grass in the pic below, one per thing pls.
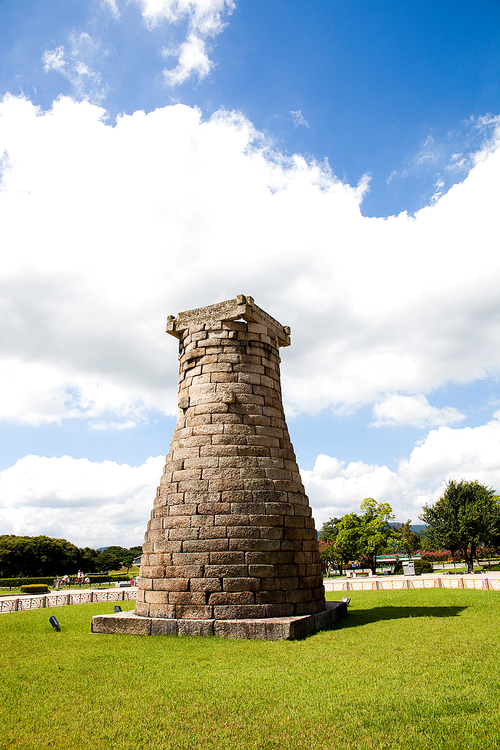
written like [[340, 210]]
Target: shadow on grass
[[357, 617]]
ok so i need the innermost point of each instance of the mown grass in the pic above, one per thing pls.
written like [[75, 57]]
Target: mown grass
[[405, 669]]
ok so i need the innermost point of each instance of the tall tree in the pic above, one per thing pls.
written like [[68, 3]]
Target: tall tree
[[331, 550], [467, 515], [36, 556], [362, 536], [406, 539]]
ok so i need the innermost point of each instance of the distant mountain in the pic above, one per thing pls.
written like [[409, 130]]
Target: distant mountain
[[415, 527]]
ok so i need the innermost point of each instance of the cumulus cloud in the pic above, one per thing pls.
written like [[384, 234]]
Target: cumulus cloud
[[416, 411], [109, 228], [102, 503], [89, 503], [446, 453]]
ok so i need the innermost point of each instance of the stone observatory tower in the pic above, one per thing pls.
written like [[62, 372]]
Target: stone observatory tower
[[231, 548]]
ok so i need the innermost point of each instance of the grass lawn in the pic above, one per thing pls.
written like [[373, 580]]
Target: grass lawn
[[405, 670]]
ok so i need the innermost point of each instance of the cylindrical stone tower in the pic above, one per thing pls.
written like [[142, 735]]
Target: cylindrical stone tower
[[231, 534]]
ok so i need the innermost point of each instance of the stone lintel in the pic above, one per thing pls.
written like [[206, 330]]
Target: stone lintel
[[233, 309], [268, 629]]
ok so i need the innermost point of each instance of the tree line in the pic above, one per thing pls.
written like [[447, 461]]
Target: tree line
[[28, 556], [464, 519]]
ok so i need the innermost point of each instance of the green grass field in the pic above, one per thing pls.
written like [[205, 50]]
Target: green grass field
[[405, 669]]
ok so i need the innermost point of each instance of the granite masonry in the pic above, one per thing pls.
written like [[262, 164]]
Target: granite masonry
[[231, 547]]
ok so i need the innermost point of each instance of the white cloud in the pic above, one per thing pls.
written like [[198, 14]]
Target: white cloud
[[468, 452], [298, 118], [204, 18], [416, 411], [87, 503], [108, 229], [113, 7], [447, 453], [193, 58], [102, 503], [75, 67]]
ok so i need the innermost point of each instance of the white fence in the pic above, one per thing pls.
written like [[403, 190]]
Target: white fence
[[383, 584], [63, 599]]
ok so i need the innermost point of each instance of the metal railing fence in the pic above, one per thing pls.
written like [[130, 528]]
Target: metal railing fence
[[21, 603]]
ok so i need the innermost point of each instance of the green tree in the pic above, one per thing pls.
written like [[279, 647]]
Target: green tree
[[467, 515], [36, 556], [88, 558], [364, 536], [128, 559], [405, 539], [368, 535], [109, 559], [331, 551]]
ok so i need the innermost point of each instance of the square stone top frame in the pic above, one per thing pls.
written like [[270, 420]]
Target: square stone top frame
[[241, 308]]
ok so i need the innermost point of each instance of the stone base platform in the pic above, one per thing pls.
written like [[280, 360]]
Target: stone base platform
[[268, 629]]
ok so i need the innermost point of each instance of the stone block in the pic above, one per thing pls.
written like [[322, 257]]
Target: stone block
[[206, 520], [261, 571], [193, 612], [270, 597], [241, 584], [205, 545], [205, 584], [306, 608], [187, 598], [279, 584], [214, 508], [162, 626], [170, 584], [227, 558], [195, 627], [298, 595], [269, 558], [231, 598], [188, 509], [160, 610], [239, 612], [231, 520], [176, 522], [129, 625], [265, 519], [191, 558], [213, 532], [166, 546], [220, 571], [260, 545], [182, 534], [156, 597], [271, 532], [243, 532]]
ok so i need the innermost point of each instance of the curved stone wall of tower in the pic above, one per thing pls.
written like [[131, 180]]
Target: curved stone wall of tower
[[231, 534]]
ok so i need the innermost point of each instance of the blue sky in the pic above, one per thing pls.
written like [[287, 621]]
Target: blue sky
[[336, 160]]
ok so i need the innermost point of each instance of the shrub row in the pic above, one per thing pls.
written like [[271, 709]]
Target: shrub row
[[49, 580], [16, 582], [101, 578], [35, 588]]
